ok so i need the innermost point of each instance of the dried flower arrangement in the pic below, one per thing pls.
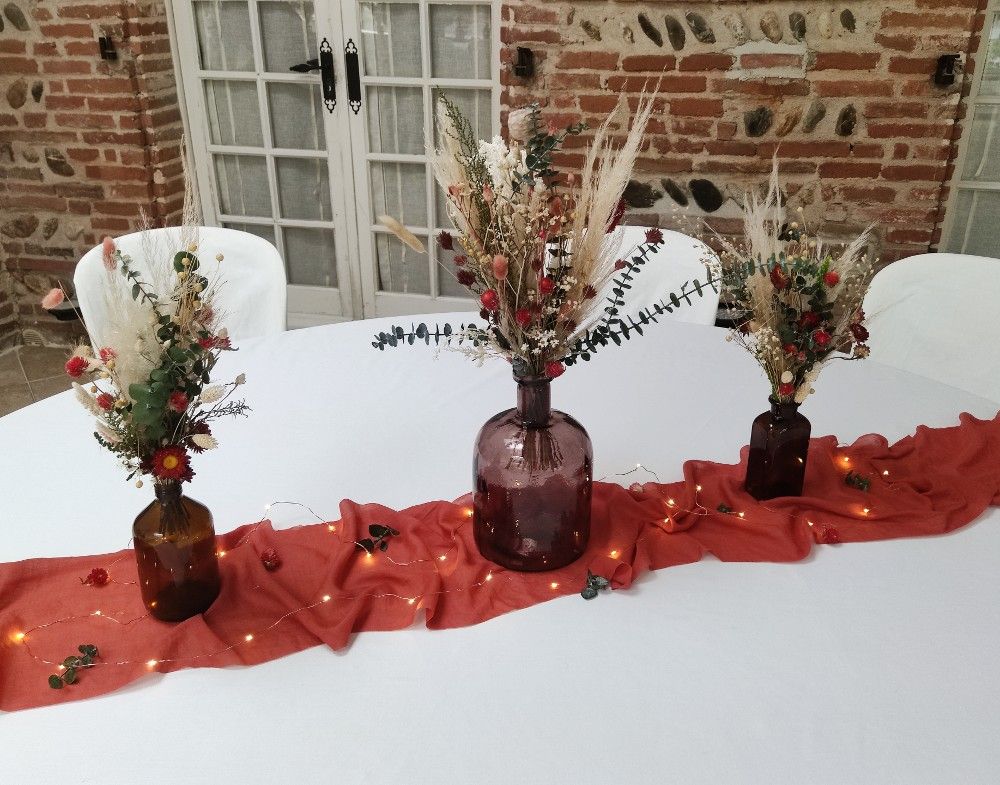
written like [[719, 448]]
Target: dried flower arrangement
[[151, 371], [802, 301], [539, 256]]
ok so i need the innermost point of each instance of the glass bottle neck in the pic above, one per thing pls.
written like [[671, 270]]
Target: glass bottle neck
[[782, 410], [534, 400], [168, 494]]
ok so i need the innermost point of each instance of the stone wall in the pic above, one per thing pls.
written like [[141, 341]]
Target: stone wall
[[85, 143], [841, 92]]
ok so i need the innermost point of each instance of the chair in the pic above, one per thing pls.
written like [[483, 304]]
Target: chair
[[680, 260], [251, 302], [936, 315]]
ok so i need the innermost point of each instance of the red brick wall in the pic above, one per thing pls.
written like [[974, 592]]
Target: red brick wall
[[842, 92], [85, 143]]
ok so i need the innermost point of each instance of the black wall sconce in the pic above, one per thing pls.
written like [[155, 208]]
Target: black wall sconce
[[107, 48], [524, 65], [944, 74]]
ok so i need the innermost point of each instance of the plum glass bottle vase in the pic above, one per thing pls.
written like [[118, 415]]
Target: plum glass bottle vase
[[779, 446], [174, 542], [533, 473]]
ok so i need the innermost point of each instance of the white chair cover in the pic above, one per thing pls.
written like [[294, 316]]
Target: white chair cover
[[680, 260], [935, 315], [251, 302]]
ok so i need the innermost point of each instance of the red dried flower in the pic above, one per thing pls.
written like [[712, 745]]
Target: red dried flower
[[654, 236], [107, 354], [860, 332], [490, 300], [790, 348], [465, 278], [198, 427], [554, 369], [589, 292], [446, 241], [832, 278], [808, 320], [785, 389], [270, 559], [523, 317], [546, 285], [460, 260], [215, 342], [96, 577], [779, 279], [821, 337], [76, 366], [171, 463], [178, 401], [106, 401], [621, 264], [616, 216]]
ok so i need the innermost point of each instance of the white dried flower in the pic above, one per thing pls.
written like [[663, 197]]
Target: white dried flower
[[211, 394], [205, 441], [86, 400], [786, 377], [519, 124], [219, 257], [106, 433], [241, 379]]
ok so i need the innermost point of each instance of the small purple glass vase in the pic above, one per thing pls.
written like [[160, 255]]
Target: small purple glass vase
[[533, 472], [779, 446]]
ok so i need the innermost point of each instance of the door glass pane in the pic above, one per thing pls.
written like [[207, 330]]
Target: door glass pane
[[476, 105], [396, 120], [460, 41], [390, 34], [265, 232], [982, 161], [224, 42], [243, 188], [977, 213], [233, 113], [991, 66], [401, 269], [304, 188], [296, 116], [309, 256], [399, 190], [288, 33]]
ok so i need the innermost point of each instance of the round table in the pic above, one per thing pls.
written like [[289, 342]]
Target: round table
[[865, 663]]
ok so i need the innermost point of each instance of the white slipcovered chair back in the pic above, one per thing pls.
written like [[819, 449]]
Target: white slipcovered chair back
[[680, 260], [251, 301], [936, 315]]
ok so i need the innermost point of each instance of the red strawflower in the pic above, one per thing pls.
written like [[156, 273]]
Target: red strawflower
[[589, 292], [621, 264], [172, 463], [178, 402], [490, 300], [523, 317], [832, 278], [215, 342], [779, 279], [654, 236], [446, 241], [809, 319], [554, 369], [106, 401], [107, 354], [616, 216], [546, 285], [790, 348], [465, 278], [860, 332], [460, 260], [96, 577], [76, 366], [821, 337], [786, 389]]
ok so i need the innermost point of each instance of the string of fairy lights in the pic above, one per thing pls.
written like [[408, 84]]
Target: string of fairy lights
[[672, 510]]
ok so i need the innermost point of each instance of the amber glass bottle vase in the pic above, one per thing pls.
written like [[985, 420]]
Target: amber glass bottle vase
[[174, 542], [779, 446], [533, 473]]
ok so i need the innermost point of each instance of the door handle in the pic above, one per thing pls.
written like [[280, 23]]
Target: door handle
[[306, 67], [353, 76], [323, 64]]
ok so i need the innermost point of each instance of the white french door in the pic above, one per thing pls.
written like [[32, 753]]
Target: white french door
[[974, 206], [309, 158]]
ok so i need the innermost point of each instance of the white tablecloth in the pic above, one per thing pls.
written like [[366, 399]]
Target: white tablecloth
[[866, 663]]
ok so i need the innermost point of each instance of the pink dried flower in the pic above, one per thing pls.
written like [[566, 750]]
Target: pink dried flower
[[52, 299], [108, 249], [107, 354], [500, 266]]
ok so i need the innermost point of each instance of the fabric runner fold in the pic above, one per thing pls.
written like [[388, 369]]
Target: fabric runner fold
[[327, 588]]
